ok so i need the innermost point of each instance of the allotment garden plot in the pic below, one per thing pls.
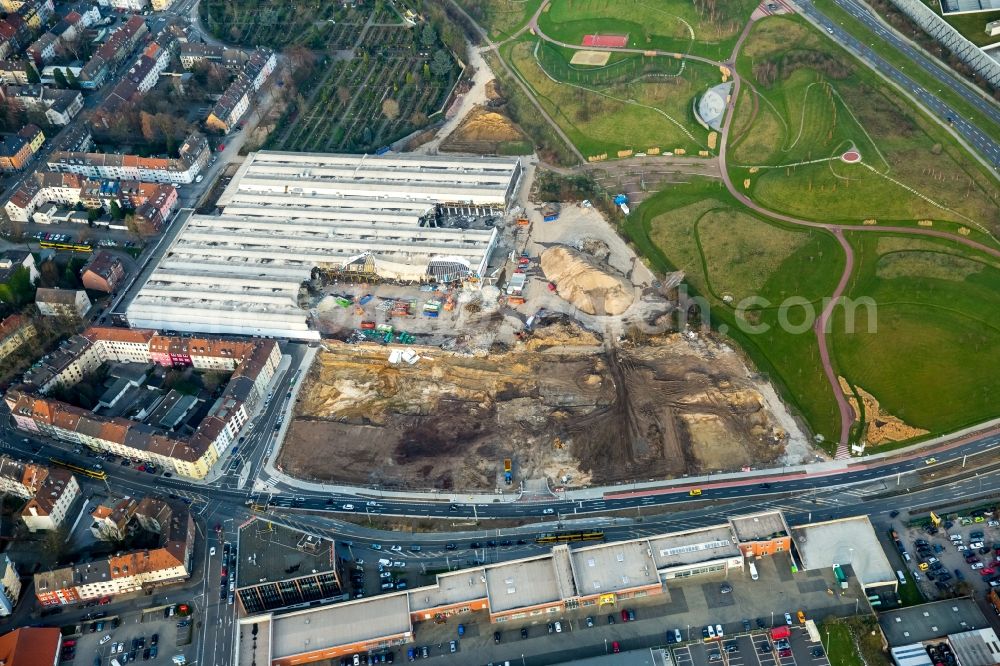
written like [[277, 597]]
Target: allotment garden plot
[[383, 93]]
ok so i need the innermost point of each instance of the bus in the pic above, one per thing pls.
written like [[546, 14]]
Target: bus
[[567, 537], [92, 473], [73, 247]]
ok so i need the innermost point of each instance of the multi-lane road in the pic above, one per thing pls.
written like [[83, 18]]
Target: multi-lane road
[[980, 133]]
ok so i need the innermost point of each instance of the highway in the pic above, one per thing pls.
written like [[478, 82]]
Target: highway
[[970, 129]]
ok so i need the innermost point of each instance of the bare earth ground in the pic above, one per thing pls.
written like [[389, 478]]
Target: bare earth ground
[[560, 405]]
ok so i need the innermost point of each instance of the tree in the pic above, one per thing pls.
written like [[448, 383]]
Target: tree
[[116, 211], [426, 71], [390, 108], [428, 38], [148, 128], [32, 74], [441, 63], [60, 78], [71, 78]]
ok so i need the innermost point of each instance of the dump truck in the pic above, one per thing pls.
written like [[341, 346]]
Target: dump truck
[[508, 476]]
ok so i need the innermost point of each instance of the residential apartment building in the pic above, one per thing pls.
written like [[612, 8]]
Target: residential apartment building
[[252, 363], [104, 272], [59, 106], [30, 646], [193, 156], [194, 53], [43, 50], [20, 479], [12, 261], [68, 303], [13, 72], [15, 331], [10, 586], [17, 150], [153, 213], [48, 509], [170, 562], [118, 46], [110, 523], [125, 5], [44, 186]]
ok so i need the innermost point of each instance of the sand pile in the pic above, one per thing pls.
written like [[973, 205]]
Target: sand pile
[[880, 426], [579, 280]]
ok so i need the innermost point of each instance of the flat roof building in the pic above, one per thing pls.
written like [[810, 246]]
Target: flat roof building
[[285, 214], [362, 625], [847, 541], [927, 622]]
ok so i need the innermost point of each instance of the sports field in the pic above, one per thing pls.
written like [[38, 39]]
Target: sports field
[[701, 27], [633, 103], [809, 102]]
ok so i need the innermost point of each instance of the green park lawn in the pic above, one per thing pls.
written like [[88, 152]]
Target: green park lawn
[[931, 360], [500, 18], [813, 101], [703, 27], [629, 112]]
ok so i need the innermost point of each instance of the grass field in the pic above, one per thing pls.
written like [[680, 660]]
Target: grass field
[[626, 114], [937, 303], [500, 18], [700, 229], [704, 27], [813, 102]]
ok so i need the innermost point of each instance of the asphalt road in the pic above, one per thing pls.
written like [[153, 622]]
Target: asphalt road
[[969, 128]]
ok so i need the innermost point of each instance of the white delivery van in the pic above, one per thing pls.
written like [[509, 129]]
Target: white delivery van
[[753, 571]]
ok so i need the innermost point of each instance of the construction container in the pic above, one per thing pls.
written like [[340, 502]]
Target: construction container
[[368, 325]]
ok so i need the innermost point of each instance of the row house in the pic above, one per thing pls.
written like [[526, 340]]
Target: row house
[[193, 156], [253, 365], [125, 5], [112, 52], [44, 186], [141, 570], [235, 101]]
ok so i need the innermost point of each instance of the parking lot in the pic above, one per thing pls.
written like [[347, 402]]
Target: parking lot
[[955, 557], [753, 649], [152, 635]]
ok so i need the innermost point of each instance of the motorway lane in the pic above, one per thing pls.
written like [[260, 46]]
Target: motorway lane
[[981, 141]]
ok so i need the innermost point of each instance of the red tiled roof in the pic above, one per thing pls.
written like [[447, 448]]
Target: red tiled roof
[[30, 646]]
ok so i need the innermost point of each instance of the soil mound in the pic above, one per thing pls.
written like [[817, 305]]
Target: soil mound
[[581, 281], [483, 131]]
